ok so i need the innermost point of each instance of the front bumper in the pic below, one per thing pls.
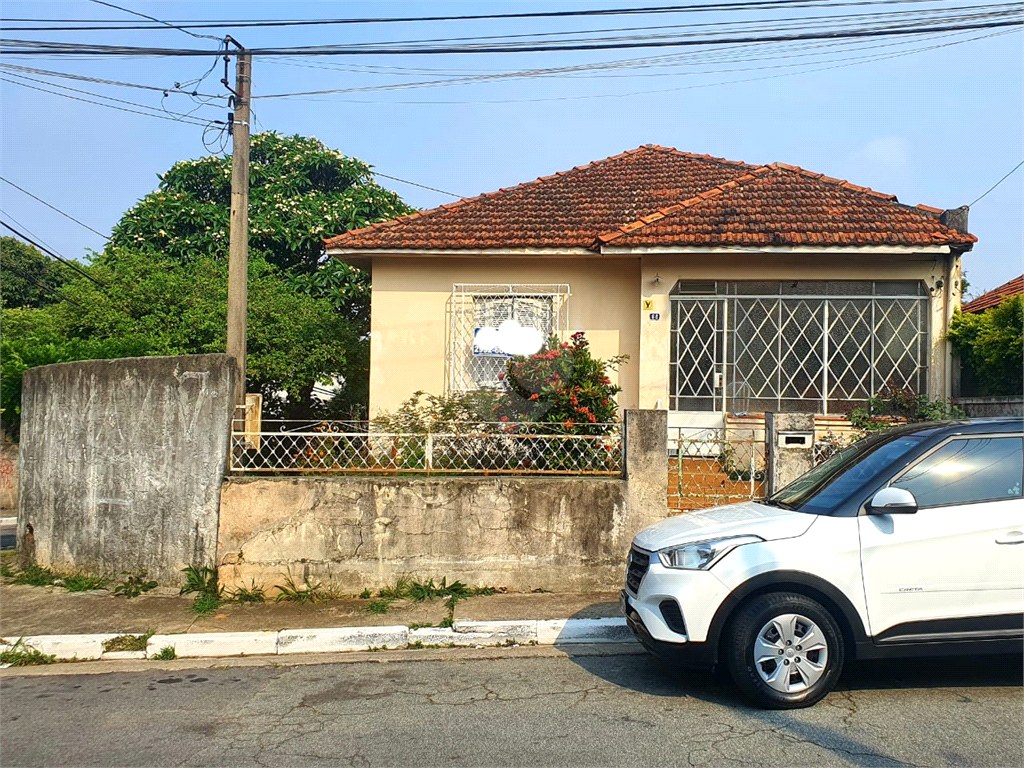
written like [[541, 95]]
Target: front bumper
[[684, 654]]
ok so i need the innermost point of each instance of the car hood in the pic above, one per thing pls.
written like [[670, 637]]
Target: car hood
[[748, 517]]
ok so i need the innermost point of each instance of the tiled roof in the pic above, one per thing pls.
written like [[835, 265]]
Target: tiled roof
[[567, 209], [995, 297], [657, 196], [785, 205]]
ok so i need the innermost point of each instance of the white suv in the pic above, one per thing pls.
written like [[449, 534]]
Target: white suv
[[907, 543]]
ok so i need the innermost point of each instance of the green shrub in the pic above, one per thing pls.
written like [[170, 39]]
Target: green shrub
[[991, 346], [894, 403], [134, 584]]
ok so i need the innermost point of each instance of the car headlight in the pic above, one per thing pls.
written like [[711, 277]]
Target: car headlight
[[701, 555]]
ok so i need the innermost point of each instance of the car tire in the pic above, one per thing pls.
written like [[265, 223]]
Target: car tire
[[768, 661]]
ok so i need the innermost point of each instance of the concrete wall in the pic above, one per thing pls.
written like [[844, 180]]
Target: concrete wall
[[122, 463], [980, 407], [8, 479], [410, 315], [522, 533]]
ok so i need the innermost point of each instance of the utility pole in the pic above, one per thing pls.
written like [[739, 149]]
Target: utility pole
[[238, 260]]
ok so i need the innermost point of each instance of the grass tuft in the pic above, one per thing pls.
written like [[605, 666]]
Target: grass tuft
[[21, 655], [167, 653], [307, 592], [127, 642]]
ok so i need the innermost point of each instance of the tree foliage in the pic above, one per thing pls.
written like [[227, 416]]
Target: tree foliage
[[300, 192], [991, 346], [164, 279], [30, 277]]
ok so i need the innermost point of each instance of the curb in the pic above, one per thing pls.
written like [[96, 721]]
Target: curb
[[464, 633]]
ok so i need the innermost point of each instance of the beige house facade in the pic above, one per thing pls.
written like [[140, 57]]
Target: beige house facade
[[731, 288]]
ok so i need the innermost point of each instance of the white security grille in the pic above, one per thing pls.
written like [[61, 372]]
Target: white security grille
[[542, 309], [796, 346]]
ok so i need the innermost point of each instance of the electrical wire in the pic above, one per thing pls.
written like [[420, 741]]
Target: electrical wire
[[52, 254], [1007, 15], [188, 121], [649, 10], [1008, 175], [158, 21], [421, 186], [40, 284], [54, 208]]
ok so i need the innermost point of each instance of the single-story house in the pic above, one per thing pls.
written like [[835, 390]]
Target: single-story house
[[995, 297], [731, 287]]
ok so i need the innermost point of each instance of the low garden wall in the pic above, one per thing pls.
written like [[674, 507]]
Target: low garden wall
[[523, 533]]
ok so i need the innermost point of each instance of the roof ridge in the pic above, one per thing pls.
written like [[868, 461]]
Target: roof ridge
[[755, 173], [444, 207], [661, 213]]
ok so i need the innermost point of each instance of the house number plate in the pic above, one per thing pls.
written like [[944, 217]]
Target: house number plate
[[655, 315]]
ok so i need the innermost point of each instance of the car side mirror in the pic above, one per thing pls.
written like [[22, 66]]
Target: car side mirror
[[893, 501]]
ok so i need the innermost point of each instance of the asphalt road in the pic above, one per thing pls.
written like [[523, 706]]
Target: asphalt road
[[540, 708]]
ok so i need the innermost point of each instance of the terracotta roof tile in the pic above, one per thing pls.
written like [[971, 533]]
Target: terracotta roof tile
[[995, 297], [783, 205], [566, 209], [658, 196]]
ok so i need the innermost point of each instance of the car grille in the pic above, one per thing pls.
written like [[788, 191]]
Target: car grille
[[636, 569]]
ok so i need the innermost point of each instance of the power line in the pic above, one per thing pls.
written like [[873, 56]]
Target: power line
[[40, 284], [102, 81], [54, 208], [183, 25], [158, 21], [53, 254], [414, 184], [1009, 15], [188, 121], [1018, 165]]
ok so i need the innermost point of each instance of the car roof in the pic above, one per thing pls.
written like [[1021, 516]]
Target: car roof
[[1004, 424]]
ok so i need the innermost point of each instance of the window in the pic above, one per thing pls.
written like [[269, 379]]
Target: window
[[491, 323], [794, 345], [965, 471]]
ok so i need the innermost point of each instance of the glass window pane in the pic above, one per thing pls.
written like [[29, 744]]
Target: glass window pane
[[965, 471]]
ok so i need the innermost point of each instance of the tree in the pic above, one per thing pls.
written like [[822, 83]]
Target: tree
[[991, 346], [30, 278], [300, 192], [171, 307]]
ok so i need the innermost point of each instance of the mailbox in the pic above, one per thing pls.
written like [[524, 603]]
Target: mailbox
[[796, 440]]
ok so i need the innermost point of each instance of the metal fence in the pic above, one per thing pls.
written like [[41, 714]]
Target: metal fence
[[711, 467], [488, 448]]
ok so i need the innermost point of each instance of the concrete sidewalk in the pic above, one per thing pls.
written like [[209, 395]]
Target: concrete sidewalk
[[75, 625]]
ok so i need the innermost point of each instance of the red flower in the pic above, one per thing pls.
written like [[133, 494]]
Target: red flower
[[504, 418], [535, 396]]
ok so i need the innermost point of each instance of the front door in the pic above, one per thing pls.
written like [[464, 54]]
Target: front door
[[697, 398]]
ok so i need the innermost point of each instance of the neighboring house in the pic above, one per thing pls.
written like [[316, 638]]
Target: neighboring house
[[732, 287], [995, 297]]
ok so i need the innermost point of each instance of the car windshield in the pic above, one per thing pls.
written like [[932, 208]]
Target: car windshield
[[832, 482]]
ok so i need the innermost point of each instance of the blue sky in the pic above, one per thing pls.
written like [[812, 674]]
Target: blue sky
[[935, 126]]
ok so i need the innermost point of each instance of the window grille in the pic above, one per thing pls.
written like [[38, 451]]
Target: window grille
[[796, 346], [542, 309]]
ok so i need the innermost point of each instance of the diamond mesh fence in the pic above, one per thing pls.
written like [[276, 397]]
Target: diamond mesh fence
[[499, 448]]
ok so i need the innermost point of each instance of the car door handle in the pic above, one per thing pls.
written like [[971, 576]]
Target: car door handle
[[1011, 537]]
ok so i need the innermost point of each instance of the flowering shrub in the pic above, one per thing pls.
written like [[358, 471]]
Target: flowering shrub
[[895, 404], [563, 385]]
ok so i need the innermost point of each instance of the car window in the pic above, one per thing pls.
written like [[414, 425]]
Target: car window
[[829, 484], [967, 470]]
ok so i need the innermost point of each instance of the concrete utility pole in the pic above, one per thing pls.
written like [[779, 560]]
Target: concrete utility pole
[[238, 261]]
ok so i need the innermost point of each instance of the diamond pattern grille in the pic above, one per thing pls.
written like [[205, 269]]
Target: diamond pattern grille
[[791, 353], [542, 307]]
